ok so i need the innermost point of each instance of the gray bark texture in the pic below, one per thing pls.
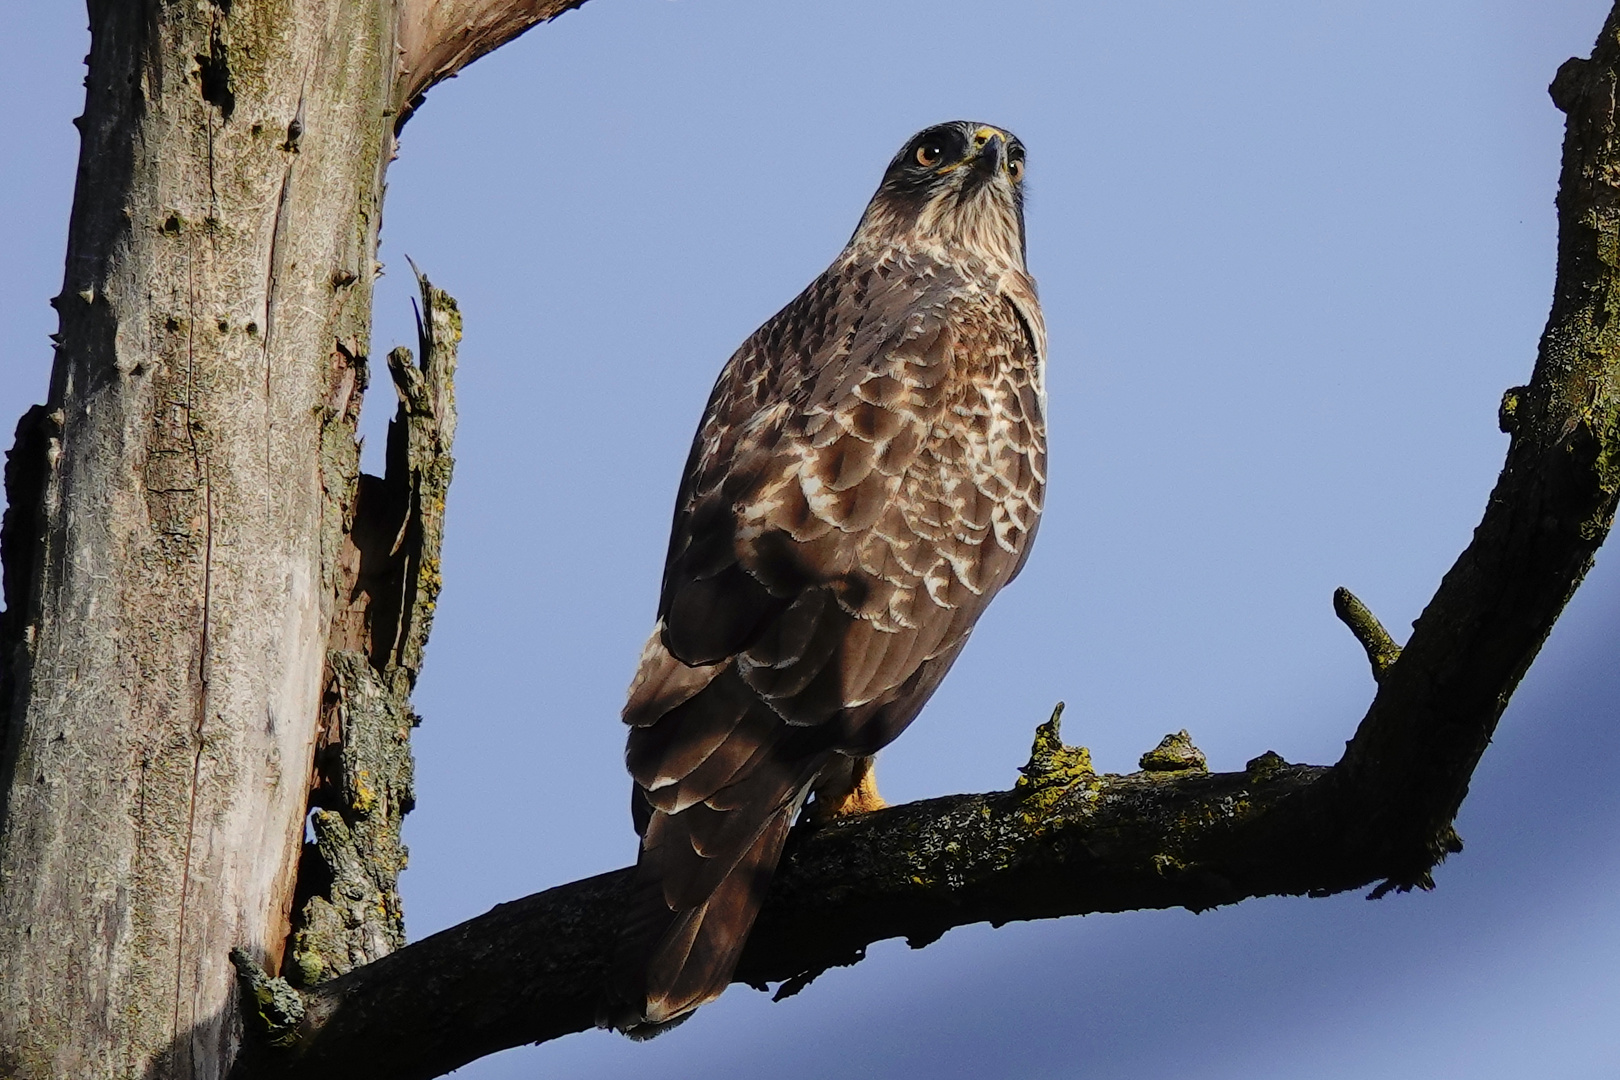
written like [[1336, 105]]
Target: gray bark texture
[[207, 632], [213, 621]]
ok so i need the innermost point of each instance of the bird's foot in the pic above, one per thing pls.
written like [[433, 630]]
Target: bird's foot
[[859, 796]]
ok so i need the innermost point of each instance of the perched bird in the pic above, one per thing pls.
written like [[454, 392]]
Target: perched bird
[[869, 472]]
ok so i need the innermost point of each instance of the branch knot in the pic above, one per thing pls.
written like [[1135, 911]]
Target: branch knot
[[1053, 767], [1507, 413], [270, 1006], [1566, 87], [1175, 753]]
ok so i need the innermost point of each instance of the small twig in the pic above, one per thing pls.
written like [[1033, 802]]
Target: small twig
[[1382, 652]]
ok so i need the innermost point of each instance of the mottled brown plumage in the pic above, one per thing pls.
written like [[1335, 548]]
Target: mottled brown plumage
[[869, 472]]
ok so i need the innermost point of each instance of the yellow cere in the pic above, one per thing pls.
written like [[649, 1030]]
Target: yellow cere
[[980, 137]]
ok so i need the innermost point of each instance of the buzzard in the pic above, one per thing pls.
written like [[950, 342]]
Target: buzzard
[[869, 472]]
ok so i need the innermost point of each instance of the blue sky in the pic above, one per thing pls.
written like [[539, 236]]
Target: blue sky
[[1290, 255]]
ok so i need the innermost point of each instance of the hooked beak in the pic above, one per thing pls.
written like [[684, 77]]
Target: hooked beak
[[990, 152]]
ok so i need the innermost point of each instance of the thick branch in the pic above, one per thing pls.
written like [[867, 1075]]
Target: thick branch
[[437, 38], [1405, 773], [1067, 841]]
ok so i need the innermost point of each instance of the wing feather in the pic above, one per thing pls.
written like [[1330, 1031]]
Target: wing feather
[[867, 475]]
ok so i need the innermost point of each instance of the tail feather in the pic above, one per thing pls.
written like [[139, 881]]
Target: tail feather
[[672, 961]]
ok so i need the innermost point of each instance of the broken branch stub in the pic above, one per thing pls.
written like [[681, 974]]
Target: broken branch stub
[[1382, 652], [437, 38], [347, 907]]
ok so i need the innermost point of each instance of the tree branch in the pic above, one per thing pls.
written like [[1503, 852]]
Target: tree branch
[[1406, 771], [437, 38], [1068, 841]]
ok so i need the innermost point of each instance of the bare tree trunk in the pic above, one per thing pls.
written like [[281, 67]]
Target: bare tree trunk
[[172, 607], [193, 607]]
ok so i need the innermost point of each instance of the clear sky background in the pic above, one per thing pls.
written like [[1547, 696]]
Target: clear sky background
[[1290, 253]]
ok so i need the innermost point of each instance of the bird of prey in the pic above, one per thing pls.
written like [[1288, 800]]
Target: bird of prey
[[869, 472]]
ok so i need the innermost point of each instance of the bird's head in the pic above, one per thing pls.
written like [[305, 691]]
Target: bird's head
[[958, 185]]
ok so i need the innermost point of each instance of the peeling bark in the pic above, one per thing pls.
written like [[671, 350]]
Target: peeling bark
[[199, 584], [1066, 840]]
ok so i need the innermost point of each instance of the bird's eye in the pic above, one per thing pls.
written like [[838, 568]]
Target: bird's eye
[[1015, 167], [929, 153]]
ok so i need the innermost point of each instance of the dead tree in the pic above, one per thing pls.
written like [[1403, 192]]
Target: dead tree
[[213, 620]]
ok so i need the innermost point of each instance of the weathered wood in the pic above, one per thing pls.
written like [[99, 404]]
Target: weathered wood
[[166, 670], [437, 38], [348, 910], [181, 515], [183, 506]]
